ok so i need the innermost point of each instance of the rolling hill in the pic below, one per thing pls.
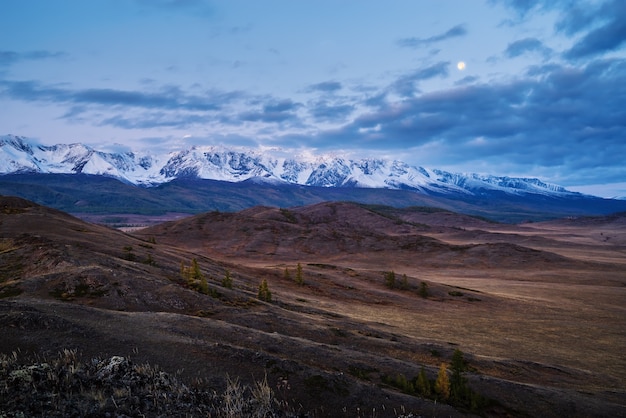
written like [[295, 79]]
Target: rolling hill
[[535, 315]]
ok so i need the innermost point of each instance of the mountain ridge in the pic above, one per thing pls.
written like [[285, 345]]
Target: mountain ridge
[[22, 155]]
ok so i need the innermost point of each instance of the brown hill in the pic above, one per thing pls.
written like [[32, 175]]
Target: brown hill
[[348, 231], [526, 319]]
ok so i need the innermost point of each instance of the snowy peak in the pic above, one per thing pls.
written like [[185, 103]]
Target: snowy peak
[[19, 154]]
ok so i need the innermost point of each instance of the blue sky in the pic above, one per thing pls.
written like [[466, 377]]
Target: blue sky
[[542, 93]]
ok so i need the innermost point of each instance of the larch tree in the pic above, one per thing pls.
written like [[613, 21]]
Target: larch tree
[[299, 276], [227, 281], [442, 384], [423, 384], [264, 292]]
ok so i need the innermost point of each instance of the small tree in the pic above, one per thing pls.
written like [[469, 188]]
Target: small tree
[[423, 384], [150, 260], [390, 279], [442, 384], [128, 253], [196, 274], [405, 282], [423, 291], [203, 286], [458, 383], [299, 278], [227, 281], [287, 274], [264, 292], [183, 269]]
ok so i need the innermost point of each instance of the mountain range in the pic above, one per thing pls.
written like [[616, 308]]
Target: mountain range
[[79, 179], [21, 155]]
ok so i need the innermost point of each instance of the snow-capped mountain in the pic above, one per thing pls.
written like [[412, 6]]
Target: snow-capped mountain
[[20, 155]]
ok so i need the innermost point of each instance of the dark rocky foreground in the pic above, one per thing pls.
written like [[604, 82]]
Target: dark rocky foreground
[[117, 387]]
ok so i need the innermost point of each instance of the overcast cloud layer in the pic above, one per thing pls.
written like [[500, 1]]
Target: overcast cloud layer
[[542, 92]]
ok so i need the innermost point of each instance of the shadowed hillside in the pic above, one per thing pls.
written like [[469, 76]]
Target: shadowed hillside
[[85, 194]]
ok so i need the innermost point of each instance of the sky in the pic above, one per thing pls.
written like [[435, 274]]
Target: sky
[[524, 88]]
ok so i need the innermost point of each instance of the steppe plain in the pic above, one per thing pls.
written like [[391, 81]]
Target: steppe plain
[[537, 309]]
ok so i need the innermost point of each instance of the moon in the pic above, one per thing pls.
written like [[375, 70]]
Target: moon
[[460, 65]]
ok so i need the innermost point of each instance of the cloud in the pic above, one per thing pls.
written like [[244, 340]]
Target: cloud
[[526, 7], [523, 46], [194, 7], [455, 31], [326, 87], [556, 117], [323, 111], [167, 106], [407, 85], [149, 120], [274, 111], [11, 57], [608, 35], [580, 17], [602, 25], [566, 119], [168, 97]]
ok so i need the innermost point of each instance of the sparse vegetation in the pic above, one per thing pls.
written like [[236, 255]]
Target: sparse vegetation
[[342, 320], [227, 281], [423, 290], [264, 291], [289, 216], [115, 386], [203, 286], [393, 283], [400, 381], [442, 384], [361, 371], [196, 280], [299, 276], [390, 279], [404, 284], [461, 395], [6, 245], [10, 291], [129, 254], [69, 291], [422, 385], [150, 260], [450, 386]]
